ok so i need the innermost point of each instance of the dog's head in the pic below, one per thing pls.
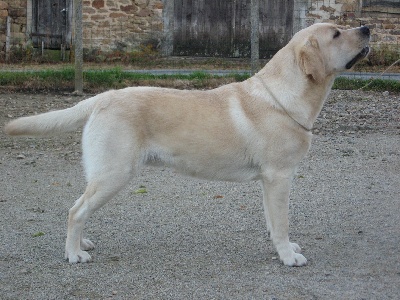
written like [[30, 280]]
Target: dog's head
[[325, 49]]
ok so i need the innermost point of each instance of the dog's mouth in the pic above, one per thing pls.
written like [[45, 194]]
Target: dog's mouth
[[364, 52]]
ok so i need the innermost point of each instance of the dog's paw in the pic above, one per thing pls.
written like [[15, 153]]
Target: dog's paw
[[79, 257], [289, 254], [86, 245], [295, 260], [296, 248]]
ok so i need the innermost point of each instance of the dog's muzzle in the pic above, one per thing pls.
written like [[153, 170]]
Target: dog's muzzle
[[364, 52], [365, 33]]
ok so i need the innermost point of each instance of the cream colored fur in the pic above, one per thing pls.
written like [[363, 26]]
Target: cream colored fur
[[255, 130]]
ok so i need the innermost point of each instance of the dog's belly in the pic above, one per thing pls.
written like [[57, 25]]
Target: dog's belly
[[212, 168]]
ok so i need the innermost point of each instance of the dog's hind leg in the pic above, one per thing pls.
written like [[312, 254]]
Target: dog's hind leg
[[95, 196], [109, 160]]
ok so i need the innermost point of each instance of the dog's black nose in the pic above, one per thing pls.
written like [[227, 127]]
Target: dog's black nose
[[365, 30]]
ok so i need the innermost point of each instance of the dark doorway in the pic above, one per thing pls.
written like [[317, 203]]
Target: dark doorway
[[51, 23]]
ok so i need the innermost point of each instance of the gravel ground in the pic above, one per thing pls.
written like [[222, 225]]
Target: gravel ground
[[193, 239]]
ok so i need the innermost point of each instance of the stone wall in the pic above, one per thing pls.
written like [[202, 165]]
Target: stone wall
[[383, 17], [16, 9], [108, 24], [122, 24]]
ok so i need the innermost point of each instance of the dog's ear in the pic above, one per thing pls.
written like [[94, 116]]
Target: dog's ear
[[311, 60]]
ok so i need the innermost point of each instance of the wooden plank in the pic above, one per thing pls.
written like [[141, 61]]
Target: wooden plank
[[8, 36], [255, 35]]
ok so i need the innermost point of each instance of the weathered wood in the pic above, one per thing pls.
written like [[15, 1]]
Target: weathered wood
[[51, 23], [8, 36], [168, 16], [255, 35], [78, 47], [223, 28]]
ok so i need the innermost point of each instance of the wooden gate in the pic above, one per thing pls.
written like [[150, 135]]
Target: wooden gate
[[222, 27], [51, 21]]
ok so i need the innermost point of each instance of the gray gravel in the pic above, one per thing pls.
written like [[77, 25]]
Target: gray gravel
[[192, 239]]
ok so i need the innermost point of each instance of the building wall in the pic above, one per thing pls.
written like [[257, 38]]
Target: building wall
[[122, 24], [16, 9], [108, 24], [383, 17], [125, 24]]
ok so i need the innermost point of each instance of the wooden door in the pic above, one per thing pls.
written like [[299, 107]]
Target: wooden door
[[51, 23]]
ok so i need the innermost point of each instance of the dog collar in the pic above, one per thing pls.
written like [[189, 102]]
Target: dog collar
[[281, 106]]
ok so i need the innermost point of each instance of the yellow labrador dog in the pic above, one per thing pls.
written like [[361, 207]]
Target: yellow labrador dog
[[258, 129]]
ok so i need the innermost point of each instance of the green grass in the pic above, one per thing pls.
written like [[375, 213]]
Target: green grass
[[9, 78], [37, 234], [98, 80], [378, 85]]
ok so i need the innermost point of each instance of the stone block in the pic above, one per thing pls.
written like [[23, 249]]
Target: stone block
[[3, 13], [88, 10], [374, 38], [328, 9], [158, 5], [3, 5], [15, 27], [395, 31], [20, 20], [17, 12], [116, 15], [97, 17], [18, 36], [129, 9], [370, 26], [389, 26], [145, 12], [111, 3], [389, 38], [103, 24], [18, 3], [98, 4]]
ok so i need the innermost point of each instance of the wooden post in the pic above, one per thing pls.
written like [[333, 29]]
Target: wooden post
[[8, 37], [78, 47], [168, 16], [255, 36]]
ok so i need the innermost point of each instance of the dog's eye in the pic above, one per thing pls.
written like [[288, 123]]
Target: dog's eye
[[337, 33]]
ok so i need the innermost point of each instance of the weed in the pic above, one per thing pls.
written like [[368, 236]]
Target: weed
[[382, 55], [37, 234]]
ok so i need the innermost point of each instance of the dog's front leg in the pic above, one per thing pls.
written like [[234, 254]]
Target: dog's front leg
[[276, 189]]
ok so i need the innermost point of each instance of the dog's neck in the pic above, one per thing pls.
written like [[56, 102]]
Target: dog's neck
[[302, 103], [286, 110]]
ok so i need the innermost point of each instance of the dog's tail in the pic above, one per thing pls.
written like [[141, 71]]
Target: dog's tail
[[53, 122]]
